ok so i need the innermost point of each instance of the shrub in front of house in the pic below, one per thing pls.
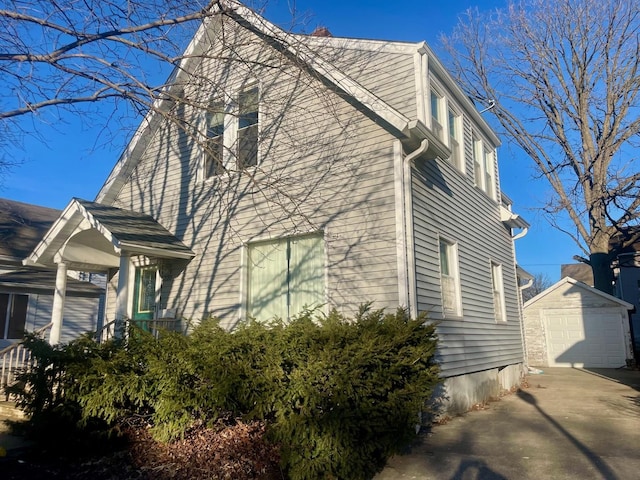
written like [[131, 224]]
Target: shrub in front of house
[[338, 395]]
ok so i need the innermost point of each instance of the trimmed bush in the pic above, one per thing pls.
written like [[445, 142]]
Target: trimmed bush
[[339, 395]]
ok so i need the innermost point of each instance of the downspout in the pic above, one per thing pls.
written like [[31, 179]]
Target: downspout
[[407, 219], [521, 234]]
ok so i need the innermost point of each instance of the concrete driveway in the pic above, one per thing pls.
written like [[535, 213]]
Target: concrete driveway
[[568, 424]]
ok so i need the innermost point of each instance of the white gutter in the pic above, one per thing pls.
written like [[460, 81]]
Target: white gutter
[[521, 234]]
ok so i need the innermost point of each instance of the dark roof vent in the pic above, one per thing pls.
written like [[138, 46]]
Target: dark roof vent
[[321, 32]]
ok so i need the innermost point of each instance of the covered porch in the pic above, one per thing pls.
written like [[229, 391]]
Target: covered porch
[[129, 247]]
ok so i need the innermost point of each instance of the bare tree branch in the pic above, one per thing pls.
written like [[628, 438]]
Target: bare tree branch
[[564, 76]]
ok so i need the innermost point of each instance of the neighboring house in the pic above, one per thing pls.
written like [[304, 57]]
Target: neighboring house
[[578, 271], [327, 172], [571, 324], [26, 294], [22, 226], [628, 289]]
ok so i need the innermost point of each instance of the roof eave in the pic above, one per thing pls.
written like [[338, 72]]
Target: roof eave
[[134, 248]]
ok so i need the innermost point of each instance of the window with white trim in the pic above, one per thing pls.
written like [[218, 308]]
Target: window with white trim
[[437, 114], [285, 276], [248, 128], [214, 143], [450, 279], [232, 130], [498, 292], [13, 315], [455, 139], [484, 167]]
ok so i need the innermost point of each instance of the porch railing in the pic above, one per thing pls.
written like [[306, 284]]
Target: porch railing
[[117, 328], [14, 358]]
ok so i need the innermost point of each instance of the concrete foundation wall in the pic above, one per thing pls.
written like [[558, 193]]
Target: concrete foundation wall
[[461, 393]]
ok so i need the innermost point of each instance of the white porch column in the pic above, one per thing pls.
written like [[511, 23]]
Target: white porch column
[[122, 295], [58, 304]]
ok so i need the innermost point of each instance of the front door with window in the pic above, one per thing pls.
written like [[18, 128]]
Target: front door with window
[[144, 293]]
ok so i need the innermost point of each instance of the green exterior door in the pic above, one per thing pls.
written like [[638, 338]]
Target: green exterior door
[[144, 294]]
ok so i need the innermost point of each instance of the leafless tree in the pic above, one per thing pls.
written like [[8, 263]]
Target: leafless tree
[[541, 282], [563, 80]]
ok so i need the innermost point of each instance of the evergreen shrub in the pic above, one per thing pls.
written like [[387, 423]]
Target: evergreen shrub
[[339, 395]]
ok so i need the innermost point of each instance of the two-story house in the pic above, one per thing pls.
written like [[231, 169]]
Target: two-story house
[[281, 171]]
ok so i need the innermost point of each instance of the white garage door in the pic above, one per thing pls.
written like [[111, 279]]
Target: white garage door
[[591, 338]]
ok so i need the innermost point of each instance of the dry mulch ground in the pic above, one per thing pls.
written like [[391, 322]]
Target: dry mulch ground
[[237, 451]]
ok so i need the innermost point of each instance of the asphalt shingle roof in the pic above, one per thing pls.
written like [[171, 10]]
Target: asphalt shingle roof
[[22, 226]]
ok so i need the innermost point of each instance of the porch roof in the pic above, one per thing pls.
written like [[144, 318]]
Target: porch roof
[[91, 236], [37, 279]]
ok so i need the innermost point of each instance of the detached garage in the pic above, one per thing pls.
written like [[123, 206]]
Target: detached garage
[[574, 325]]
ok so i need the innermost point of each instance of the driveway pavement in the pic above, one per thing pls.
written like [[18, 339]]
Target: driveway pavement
[[568, 424]]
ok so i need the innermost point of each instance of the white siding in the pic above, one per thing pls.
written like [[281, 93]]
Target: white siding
[[447, 203], [381, 72], [324, 167]]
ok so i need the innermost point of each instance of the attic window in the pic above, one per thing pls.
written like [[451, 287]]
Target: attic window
[[214, 144], [231, 129], [248, 128]]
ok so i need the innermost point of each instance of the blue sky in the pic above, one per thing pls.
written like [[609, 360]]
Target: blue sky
[[72, 156]]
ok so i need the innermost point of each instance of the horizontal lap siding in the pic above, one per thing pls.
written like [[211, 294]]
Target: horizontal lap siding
[[324, 166], [388, 75], [447, 203]]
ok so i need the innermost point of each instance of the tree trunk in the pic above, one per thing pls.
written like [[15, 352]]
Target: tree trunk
[[602, 273]]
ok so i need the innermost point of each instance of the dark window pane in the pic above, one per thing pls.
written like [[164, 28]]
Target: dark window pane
[[18, 316], [248, 147], [248, 128], [4, 305], [213, 157], [214, 145]]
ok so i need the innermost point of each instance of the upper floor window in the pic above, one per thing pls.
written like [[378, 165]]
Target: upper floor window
[[498, 292], [484, 167], [437, 114], [450, 279], [232, 134], [248, 128], [214, 144], [455, 140]]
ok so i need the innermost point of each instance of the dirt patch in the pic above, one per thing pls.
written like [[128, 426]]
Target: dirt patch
[[237, 451]]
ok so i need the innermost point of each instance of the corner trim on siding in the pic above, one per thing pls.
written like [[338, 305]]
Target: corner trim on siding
[[421, 67]]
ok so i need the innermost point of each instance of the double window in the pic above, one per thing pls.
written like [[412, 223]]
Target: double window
[[13, 315], [450, 279], [446, 125], [285, 276], [232, 134], [484, 167]]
